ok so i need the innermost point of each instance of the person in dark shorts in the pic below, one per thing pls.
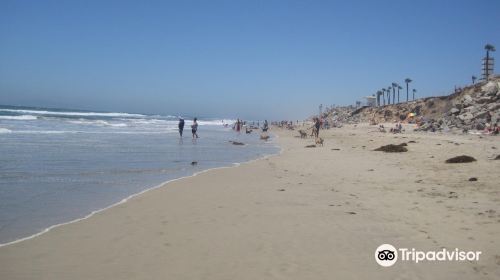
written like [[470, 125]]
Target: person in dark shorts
[[181, 126], [317, 125], [194, 128], [266, 126]]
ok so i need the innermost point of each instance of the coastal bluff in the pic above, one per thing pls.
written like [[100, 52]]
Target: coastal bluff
[[469, 108]]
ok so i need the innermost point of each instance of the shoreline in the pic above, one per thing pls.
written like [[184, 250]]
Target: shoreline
[[126, 199], [46, 230], [300, 214]]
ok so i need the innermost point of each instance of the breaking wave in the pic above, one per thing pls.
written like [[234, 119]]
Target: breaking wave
[[60, 113], [20, 118]]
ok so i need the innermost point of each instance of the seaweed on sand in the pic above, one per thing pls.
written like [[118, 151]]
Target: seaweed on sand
[[460, 159], [391, 148]]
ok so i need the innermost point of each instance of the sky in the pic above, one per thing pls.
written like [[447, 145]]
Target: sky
[[249, 59]]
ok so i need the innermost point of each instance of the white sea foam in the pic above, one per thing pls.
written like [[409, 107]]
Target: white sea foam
[[150, 121], [5, 130], [20, 118], [211, 122], [47, 131], [118, 124], [88, 114], [88, 132], [98, 123]]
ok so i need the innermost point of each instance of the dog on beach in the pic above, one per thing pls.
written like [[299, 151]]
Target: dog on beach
[[303, 134], [319, 141]]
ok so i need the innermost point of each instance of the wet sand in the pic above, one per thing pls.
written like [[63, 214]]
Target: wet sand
[[308, 213]]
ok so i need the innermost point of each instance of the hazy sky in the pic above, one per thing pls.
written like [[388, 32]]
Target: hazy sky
[[250, 59]]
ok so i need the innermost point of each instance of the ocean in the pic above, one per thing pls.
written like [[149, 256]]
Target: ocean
[[58, 165]]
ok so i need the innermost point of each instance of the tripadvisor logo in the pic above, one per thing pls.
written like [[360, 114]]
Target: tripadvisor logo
[[386, 255]]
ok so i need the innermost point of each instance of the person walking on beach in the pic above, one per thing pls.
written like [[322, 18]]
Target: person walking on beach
[[266, 126], [238, 125], [317, 125], [181, 126], [194, 128]]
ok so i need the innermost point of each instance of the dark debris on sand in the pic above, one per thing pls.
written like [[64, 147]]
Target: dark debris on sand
[[497, 157], [472, 179], [311, 146], [391, 148], [236, 143], [460, 159]]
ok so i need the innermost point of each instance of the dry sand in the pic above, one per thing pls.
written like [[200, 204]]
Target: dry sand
[[309, 213]]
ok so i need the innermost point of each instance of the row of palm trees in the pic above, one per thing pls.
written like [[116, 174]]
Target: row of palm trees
[[387, 92]]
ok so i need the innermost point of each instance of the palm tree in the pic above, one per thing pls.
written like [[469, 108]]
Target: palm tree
[[399, 87], [414, 91], [489, 48], [379, 93], [407, 81], [383, 95], [394, 86], [389, 96], [474, 79]]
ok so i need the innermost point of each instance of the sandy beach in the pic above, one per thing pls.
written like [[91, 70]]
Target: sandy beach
[[308, 213]]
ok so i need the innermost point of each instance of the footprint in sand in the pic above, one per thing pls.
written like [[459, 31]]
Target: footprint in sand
[[453, 195], [497, 259]]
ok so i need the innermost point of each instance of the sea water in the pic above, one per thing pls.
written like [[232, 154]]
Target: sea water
[[59, 165]]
